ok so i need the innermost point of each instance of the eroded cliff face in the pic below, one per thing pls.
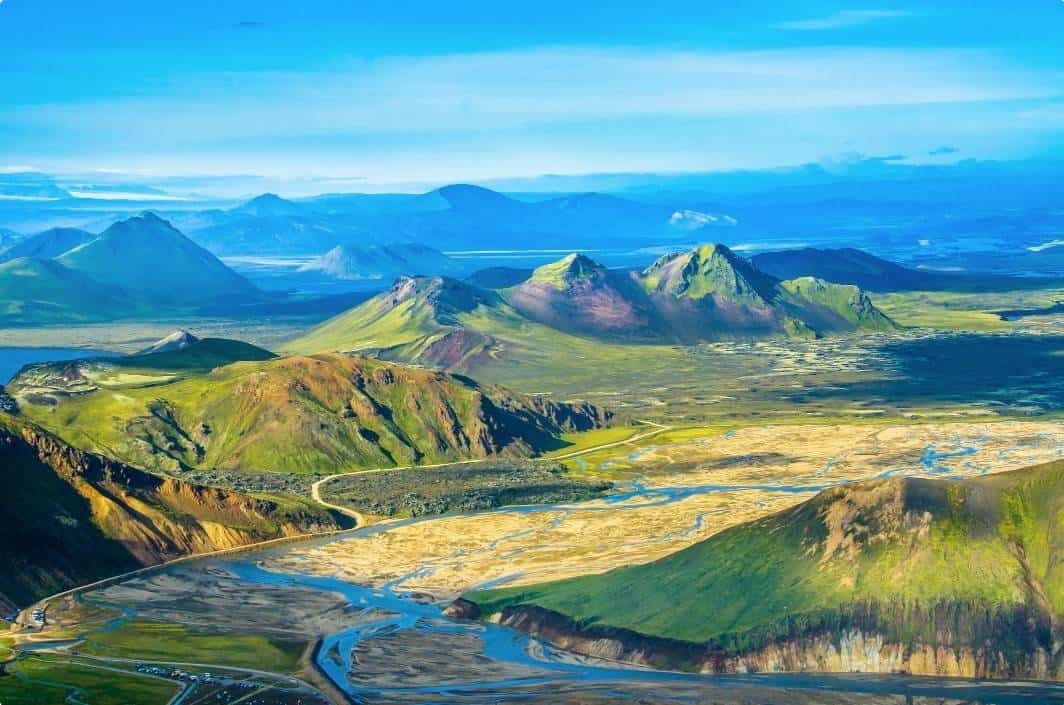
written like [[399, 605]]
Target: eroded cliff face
[[158, 518], [72, 517], [859, 652], [853, 651]]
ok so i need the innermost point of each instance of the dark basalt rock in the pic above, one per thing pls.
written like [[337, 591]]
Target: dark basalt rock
[[462, 609]]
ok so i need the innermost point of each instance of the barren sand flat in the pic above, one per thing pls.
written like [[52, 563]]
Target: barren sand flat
[[448, 555], [818, 455], [687, 491]]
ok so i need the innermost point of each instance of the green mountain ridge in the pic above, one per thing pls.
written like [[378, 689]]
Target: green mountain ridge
[[706, 294], [317, 414], [929, 576]]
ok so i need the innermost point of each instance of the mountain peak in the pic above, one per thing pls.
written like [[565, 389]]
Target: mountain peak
[[571, 268], [178, 340], [145, 221], [375, 261], [443, 296], [467, 196], [268, 204], [148, 255], [706, 270]]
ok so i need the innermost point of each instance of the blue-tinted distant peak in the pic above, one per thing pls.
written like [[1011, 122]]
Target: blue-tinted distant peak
[[269, 204]]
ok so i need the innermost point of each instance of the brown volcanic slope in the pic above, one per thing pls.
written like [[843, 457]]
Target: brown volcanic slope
[[703, 294], [72, 517], [578, 295], [708, 293]]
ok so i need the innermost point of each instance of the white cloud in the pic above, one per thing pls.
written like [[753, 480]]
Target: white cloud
[[841, 20], [518, 89], [546, 110]]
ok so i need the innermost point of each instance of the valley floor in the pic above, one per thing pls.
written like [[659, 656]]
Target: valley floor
[[672, 490], [375, 596]]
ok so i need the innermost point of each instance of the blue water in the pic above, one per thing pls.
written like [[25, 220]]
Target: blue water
[[526, 670], [553, 671], [13, 359]]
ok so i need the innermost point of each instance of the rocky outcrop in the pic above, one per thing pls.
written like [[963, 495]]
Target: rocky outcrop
[[462, 609], [8, 404]]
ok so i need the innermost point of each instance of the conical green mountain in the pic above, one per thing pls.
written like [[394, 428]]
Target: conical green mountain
[[148, 256], [708, 270], [925, 576], [430, 320], [711, 292]]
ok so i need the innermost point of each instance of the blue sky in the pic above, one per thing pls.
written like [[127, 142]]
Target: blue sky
[[379, 93]]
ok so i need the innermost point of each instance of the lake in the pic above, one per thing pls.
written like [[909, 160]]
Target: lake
[[13, 359]]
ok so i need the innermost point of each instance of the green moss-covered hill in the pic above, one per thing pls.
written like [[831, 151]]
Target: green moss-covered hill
[[303, 414], [138, 267], [973, 567]]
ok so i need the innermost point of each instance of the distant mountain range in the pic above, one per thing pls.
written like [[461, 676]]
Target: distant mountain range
[[852, 266], [451, 218], [708, 293], [138, 266], [967, 214], [920, 576]]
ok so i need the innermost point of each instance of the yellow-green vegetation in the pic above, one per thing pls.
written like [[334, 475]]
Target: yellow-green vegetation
[[940, 310], [893, 555], [52, 680], [836, 300], [309, 415], [163, 641], [851, 377], [616, 462], [581, 442], [451, 324], [6, 651], [44, 291], [706, 270], [563, 272], [969, 311]]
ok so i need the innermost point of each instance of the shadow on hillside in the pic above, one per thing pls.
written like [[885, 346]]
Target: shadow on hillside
[[1021, 373]]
